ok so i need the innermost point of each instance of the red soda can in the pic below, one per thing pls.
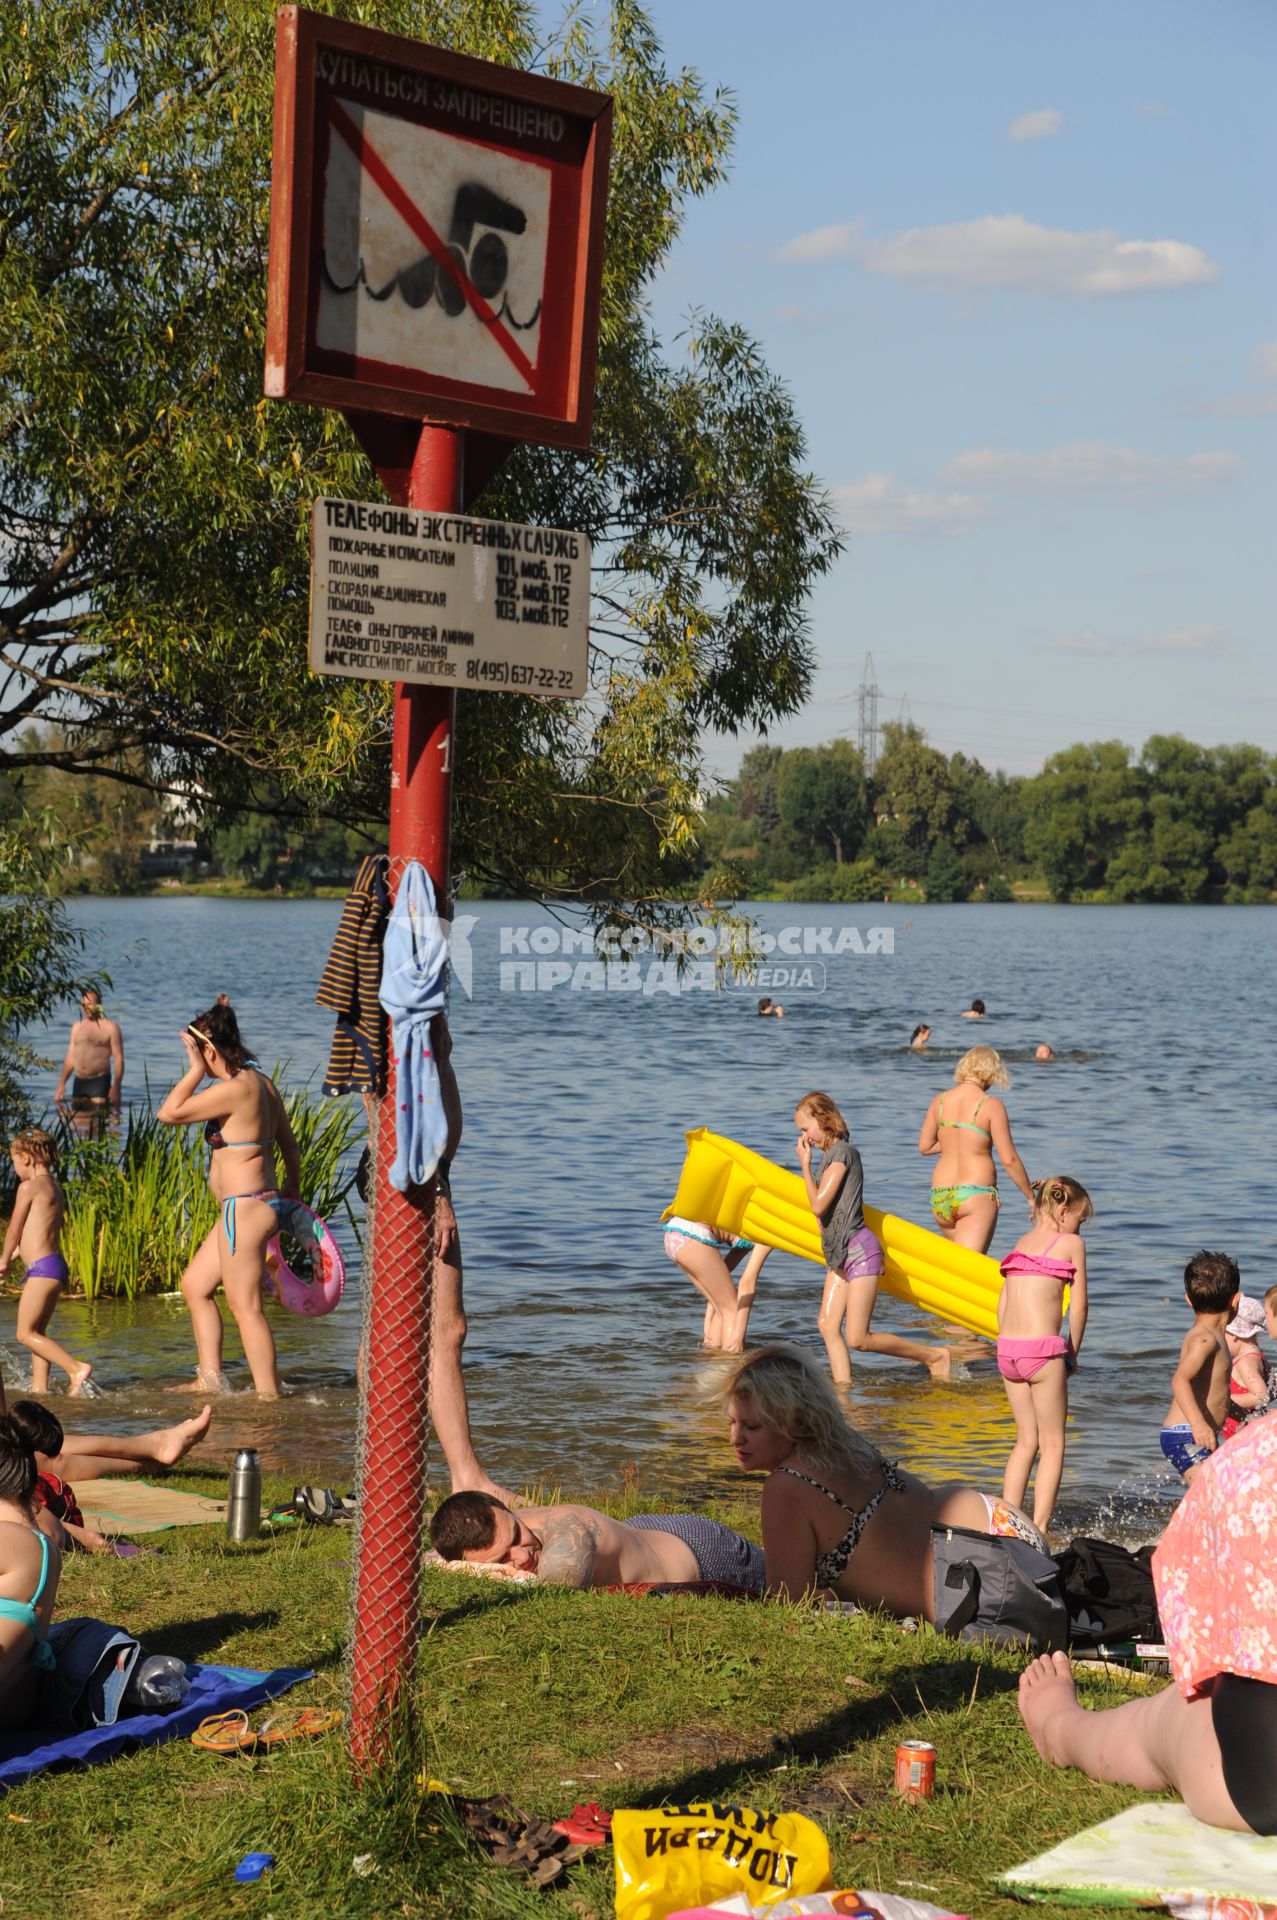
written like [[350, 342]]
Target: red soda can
[[916, 1769]]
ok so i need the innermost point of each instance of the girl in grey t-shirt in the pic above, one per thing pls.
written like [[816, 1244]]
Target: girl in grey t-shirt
[[853, 1256]]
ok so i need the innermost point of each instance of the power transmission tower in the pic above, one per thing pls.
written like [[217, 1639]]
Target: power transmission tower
[[868, 694], [906, 711]]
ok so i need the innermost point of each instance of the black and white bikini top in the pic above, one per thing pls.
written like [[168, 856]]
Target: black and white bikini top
[[831, 1566]]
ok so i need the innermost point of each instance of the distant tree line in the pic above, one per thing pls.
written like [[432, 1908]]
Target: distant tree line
[[1174, 822], [111, 836]]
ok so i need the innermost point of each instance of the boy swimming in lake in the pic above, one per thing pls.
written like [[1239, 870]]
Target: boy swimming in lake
[[35, 1231], [1199, 1390]]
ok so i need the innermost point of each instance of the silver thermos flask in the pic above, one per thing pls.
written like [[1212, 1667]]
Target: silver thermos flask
[[244, 1496]]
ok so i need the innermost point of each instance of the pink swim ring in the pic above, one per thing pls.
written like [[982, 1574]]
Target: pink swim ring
[[318, 1292]]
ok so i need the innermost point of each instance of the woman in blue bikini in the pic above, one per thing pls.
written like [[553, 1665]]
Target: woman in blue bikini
[[244, 1123], [964, 1127], [29, 1568]]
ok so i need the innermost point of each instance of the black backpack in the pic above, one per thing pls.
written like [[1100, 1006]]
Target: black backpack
[[1108, 1591]]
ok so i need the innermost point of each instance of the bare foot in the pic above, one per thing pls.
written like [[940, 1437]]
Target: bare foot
[[202, 1383], [78, 1377], [172, 1444], [1046, 1689]]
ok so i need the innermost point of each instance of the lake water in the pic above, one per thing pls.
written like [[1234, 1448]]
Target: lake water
[[582, 1362]]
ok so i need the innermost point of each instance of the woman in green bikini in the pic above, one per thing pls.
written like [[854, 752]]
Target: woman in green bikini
[[964, 1127]]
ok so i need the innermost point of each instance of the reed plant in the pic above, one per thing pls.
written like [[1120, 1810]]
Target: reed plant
[[138, 1203]]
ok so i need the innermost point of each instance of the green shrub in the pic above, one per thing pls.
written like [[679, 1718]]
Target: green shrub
[[859, 880]]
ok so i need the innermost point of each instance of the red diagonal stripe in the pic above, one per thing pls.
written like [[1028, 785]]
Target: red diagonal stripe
[[413, 218]]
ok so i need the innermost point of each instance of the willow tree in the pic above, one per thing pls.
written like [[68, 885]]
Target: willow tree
[[153, 507]]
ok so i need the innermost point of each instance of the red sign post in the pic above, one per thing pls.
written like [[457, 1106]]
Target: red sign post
[[435, 257]]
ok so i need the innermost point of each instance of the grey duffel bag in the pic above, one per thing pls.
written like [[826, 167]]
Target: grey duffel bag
[[988, 1587]]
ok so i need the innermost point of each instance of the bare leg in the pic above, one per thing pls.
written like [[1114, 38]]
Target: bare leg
[[712, 1327], [35, 1310], [91, 1456], [242, 1273], [199, 1284], [707, 1270], [746, 1289], [1151, 1744], [832, 1308], [1015, 1481], [862, 1297], [449, 1409], [975, 1222], [1050, 1390]]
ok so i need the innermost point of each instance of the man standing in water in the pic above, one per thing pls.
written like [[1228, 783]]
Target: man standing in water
[[95, 1059]]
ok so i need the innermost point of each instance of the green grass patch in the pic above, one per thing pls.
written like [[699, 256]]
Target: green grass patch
[[550, 1697]]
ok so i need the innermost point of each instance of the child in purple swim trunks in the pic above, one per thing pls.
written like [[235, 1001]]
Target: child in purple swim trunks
[[35, 1232], [853, 1257], [1034, 1358]]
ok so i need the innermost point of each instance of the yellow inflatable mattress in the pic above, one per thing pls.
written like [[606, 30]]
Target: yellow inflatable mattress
[[739, 1191]]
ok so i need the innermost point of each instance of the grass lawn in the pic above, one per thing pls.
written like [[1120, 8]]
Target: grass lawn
[[550, 1697]]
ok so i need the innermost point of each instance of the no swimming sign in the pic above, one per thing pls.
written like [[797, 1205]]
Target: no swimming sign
[[436, 234]]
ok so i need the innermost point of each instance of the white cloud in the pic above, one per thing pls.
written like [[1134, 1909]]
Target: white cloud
[[1207, 638], [825, 243], [1094, 466], [1036, 126], [1264, 360], [1006, 250], [877, 504]]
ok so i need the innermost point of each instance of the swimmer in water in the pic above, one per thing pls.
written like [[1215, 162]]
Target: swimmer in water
[[1043, 1052], [766, 1008], [920, 1036], [975, 1011]]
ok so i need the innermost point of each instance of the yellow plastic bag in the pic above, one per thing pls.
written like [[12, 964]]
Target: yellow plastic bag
[[691, 1856]]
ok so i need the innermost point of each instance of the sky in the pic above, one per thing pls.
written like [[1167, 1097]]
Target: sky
[[1015, 261]]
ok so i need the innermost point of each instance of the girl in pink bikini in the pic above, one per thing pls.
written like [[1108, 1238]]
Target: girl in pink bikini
[[1034, 1358]]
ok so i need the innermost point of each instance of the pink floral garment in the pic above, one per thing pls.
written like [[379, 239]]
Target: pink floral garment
[[1216, 1565]]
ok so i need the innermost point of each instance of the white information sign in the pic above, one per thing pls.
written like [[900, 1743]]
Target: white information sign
[[402, 593]]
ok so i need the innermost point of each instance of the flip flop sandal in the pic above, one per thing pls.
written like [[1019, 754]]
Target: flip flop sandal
[[225, 1733], [588, 1825], [280, 1729], [231, 1733]]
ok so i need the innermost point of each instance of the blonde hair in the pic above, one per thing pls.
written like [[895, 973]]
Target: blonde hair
[[984, 1066], [38, 1146], [1057, 1191], [795, 1398], [826, 1115]]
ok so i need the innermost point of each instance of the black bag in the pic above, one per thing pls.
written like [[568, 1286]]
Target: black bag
[[1109, 1592], [990, 1587]]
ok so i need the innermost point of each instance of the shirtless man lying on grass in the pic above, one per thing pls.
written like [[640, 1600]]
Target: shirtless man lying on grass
[[577, 1547]]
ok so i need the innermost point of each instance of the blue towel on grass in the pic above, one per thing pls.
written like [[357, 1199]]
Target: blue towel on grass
[[30, 1750], [414, 976]]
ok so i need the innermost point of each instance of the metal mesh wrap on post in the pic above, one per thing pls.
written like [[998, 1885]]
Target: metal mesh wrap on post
[[394, 1431]]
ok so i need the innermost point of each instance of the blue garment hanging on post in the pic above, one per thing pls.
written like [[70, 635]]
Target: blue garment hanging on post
[[414, 976]]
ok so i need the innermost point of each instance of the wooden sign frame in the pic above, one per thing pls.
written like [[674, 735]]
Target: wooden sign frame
[[331, 75]]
